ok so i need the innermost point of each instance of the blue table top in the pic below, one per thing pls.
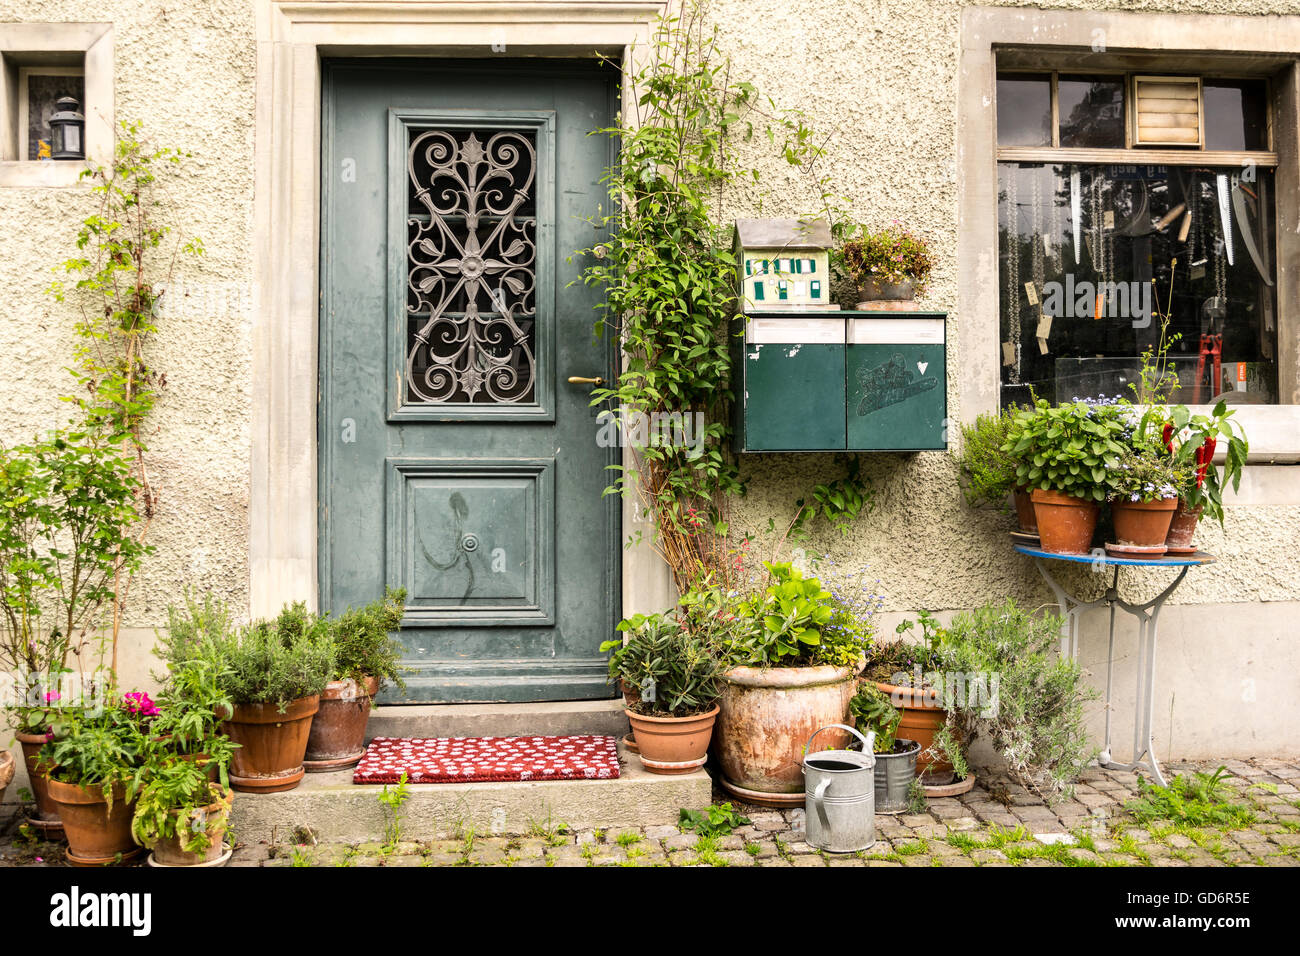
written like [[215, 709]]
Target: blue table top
[[1169, 561]]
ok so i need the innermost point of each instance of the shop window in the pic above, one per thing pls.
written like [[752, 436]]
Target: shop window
[[1095, 253]]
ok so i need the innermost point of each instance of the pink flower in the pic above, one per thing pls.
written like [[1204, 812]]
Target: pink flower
[[52, 696], [139, 704]]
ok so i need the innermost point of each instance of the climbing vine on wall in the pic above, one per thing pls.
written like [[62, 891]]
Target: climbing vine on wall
[[126, 258], [667, 274]]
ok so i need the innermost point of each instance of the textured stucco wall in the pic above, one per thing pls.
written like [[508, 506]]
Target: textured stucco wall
[[186, 70], [879, 77]]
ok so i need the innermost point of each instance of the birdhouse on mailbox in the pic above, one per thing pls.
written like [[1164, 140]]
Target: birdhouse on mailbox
[[783, 264]]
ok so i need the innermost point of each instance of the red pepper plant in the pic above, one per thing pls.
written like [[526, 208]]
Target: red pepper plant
[[1193, 440]]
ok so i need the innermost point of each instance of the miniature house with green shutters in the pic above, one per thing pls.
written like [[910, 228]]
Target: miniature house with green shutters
[[783, 263]]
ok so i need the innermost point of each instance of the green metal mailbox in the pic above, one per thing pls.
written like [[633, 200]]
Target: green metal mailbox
[[840, 381]]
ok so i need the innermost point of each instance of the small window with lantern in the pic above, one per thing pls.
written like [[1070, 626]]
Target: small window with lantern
[[51, 116]]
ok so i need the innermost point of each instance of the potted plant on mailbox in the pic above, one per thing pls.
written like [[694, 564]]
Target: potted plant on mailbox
[[1066, 455], [366, 656], [676, 674], [890, 266], [792, 661]]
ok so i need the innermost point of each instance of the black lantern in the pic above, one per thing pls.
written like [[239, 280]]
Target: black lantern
[[67, 127]]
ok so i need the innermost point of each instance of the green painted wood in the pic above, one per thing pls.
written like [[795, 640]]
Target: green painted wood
[[493, 520], [897, 397], [794, 397]]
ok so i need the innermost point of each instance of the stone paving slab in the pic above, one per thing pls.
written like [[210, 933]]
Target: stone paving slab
[[998, 823]]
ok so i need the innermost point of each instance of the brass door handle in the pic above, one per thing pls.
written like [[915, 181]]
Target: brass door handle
[[580, 380]]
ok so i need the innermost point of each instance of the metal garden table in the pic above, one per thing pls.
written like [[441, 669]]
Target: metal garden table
[[1148, 616]]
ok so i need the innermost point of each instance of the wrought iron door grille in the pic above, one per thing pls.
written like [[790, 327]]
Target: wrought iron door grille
[[471, 267]]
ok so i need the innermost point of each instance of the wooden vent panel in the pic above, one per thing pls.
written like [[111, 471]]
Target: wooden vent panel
[[1168, 111]]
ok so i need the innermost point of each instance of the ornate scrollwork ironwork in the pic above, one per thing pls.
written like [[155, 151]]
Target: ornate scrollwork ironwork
[[471, 268]]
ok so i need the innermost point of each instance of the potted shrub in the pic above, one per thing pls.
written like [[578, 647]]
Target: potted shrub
[[1193, 440], [192, 705], [792, 662], [273, 672], [180, 813], [91, 760], [676, 675], [1145, 486], [1018, 693], [366, 655], [1066, 456], [891, 266], [903, 671], [871, 710], [989, 471]]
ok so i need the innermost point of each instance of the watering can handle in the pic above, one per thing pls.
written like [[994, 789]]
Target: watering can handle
[[867, 742], [818, 804]]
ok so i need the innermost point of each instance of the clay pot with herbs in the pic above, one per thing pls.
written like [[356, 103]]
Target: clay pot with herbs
[[1182, 528], [338, 730], [46, 817], [98, 834], [272, 744], [1142, 524], [1066, 523]]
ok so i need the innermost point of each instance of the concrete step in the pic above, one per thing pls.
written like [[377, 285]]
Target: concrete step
[[557, 718], [337, 810]]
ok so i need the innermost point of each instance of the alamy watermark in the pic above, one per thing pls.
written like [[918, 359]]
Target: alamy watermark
[[977, 690], [1095, 300], [653, 430]]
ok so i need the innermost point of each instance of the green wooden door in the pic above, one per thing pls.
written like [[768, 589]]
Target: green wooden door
[[456, 459]]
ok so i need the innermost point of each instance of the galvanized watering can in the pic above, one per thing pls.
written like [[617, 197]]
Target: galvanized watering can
[[840, 795]]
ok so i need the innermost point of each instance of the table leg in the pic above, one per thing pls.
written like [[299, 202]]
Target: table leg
[[1071, 608]]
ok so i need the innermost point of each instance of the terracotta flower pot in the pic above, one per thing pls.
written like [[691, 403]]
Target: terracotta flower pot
[[921, 719], [896, 294], [96, 834], [169, 852], [1065, 523], [338, 731], [672, 745], [46, 819], [271, 744], [1142, 524], [765, 718], [1182, 528], [1025, 511], [6, 772]]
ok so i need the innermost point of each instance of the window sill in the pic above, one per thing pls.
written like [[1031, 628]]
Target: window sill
[[37, 173]]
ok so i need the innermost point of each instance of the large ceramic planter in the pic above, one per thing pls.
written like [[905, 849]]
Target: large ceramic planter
[[672, 745], [920, 719], [894, 775], [1065, 523], [1182, 529], [97, 836], [1142, 524], [338, 731], [169, 852], [765, 718], [1025, 515], [46, 818], [271, 744]]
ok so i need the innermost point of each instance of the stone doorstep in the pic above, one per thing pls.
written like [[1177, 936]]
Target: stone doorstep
[[559, 718], [338, 810]]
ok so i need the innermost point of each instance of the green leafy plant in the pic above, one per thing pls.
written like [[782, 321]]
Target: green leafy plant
[[674, 672], [888, 256], [666, 277], [905, 663], [788, 619], [178, 800], [67, 517], [392, 801], [364, 641], [119, 278], [98, 742], [1146, 472], [191, 706], [1193, 440], [871, 710], [988, 470], [713, 821], [1198, 801], [1002, 678], [1070, 448]]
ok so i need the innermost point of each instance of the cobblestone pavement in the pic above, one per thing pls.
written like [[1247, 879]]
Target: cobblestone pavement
[[996, 824]]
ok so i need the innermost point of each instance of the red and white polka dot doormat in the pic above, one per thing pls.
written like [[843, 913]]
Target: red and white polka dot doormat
[[478, 759]]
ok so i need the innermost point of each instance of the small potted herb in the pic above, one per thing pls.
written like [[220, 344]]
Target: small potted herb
[[366, 656], [890, 265], [870, 710], [1067, 454], [191, 707], [902, 671], [676, 674], [181, 813], [989, 471], [1145, 485]]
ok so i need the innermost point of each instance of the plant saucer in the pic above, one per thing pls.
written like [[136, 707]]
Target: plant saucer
[[1135, 551]]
